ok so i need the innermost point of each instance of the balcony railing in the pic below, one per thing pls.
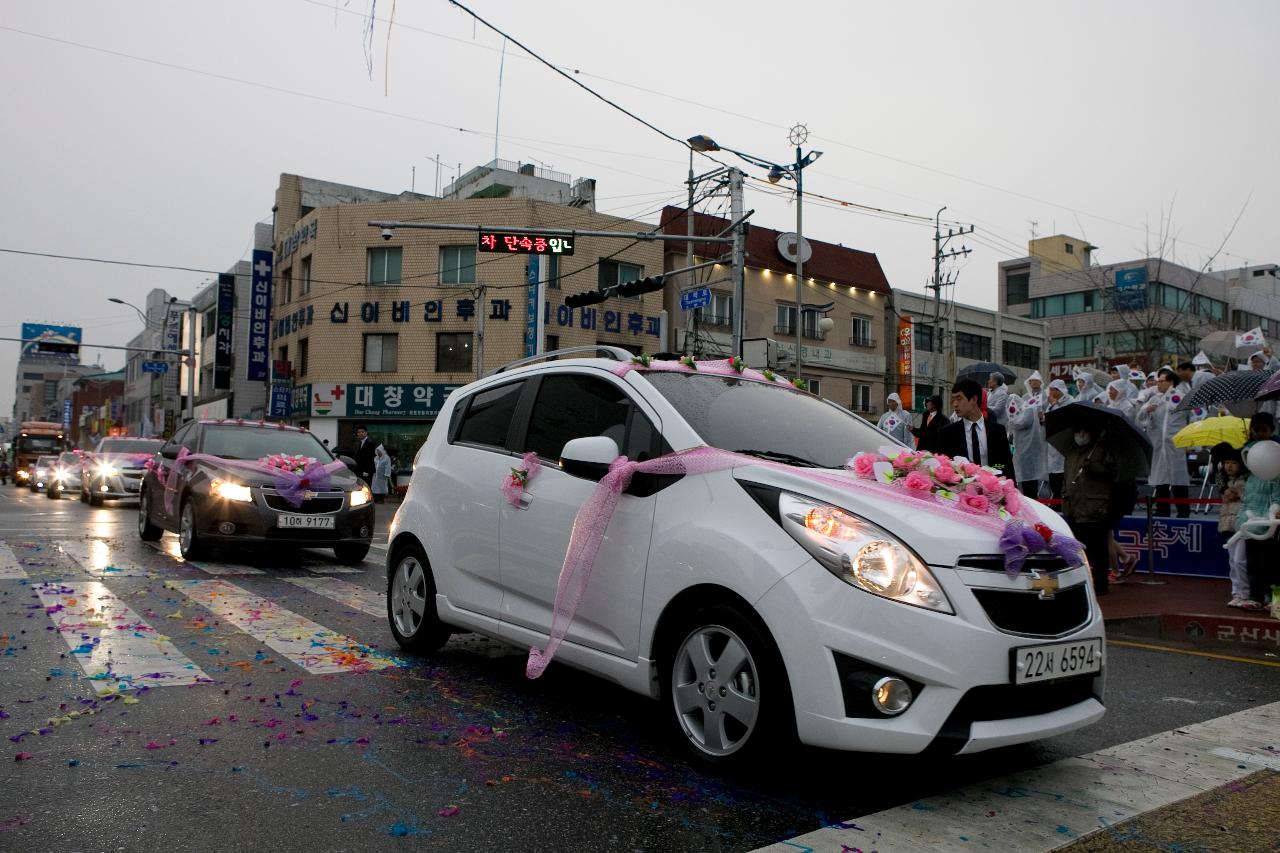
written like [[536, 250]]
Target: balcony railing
[[856, 341], [790, 329], [714, 320]]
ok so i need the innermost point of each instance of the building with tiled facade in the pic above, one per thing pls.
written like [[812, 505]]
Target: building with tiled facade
[[379, 331]]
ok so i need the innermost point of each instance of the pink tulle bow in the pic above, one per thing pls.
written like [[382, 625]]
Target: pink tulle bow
[[514, 484]]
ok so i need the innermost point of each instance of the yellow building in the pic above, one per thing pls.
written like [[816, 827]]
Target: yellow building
[[379, 331]]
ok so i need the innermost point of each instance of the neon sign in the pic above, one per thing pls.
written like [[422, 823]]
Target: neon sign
[[525, 244]]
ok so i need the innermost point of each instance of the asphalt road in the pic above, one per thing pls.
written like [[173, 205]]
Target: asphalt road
[[460, 752]]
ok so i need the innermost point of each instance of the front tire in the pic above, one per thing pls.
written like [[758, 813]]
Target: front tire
[[52, 493], [411, 603], [725, 688], [84, 495], [95, 499], [189, 543], [147, 531], [351, 553]]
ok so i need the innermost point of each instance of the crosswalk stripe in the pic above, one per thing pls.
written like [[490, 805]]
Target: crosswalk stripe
[[369, 601], [94, 556], [10, 567], [169, 548], [111, 643], [327, 569], [311, 646], [1043, 808]]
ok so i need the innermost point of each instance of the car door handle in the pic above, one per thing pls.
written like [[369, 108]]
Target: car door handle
[[525, 500]]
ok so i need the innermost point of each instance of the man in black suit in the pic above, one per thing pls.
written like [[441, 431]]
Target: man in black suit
[[978, 439], [932, 422], [363, 453]]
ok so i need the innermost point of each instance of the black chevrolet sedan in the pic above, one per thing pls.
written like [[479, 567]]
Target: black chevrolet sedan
[[229, 496]]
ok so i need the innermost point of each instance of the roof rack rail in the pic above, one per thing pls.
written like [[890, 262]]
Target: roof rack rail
[[615, 353]]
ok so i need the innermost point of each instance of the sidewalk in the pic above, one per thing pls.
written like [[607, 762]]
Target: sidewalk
[[1191, 611]]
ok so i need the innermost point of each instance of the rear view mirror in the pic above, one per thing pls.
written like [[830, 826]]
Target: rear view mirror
[[169, 451], [588, 457], [350, 463]]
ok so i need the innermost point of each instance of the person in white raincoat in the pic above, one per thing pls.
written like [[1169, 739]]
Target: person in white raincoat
[[1035, 389], [1120, 396], [998, 399], [1088, 389], [896, 421], [1161, 420], [1027, 433], [1055, 464]]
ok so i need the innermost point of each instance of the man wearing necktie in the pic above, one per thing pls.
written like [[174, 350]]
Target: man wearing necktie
[[976, 436]]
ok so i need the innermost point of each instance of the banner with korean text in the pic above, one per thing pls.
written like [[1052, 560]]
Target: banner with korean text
[[906, 359]]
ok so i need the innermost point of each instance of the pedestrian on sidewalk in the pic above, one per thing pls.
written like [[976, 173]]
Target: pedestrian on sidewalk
[[1090, 475], [1057, 397], [1232, 478], [1260, 499], [381, 474]]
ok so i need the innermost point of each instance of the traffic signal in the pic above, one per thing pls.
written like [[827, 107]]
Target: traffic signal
[[578, 300], [639, 286]]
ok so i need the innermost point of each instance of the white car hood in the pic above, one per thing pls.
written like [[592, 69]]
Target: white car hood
[[938, 536]]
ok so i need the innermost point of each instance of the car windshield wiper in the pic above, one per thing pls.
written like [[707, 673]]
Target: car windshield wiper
[[778, 456]]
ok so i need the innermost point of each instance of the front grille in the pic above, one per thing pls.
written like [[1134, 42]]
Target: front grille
[[995, 563], [1025, 612], [1007, 702], [309, 507]]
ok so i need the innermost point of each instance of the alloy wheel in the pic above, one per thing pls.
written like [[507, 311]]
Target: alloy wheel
[[715, 687], [409, 596]]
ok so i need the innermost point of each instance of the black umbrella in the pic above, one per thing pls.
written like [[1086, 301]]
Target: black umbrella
[[1116, 431], [982, 371], [1234, 386]]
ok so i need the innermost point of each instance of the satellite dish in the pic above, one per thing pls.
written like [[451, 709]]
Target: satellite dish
[[787, 247]]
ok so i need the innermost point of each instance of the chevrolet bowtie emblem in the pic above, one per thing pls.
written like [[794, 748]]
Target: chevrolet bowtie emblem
[[1046, 584], [308, 495]]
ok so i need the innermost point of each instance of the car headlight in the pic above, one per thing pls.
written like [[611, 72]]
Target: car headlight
[[59, 473], [861, 553], [41, 473], [106, 469], [231, 491], [360, 496]]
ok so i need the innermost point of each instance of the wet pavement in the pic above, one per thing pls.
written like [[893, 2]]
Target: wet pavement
[[258, 701]]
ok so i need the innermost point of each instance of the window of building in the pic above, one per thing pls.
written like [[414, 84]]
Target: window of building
[[1073, 346], [381, 353], [815, 385], [457, 264], [453, 352], [924, 338], [570, 406], [210, 322], [861, 397], [1080, 302], [718, 313], [489, 415], [284, 354], [809, 324], [921, 393], [1021, 355], [553, 343], [617, 272], [1017, 288], [785, 323], [973, 346], [304, 276], [861, 331], [1071, 250], [553, 272], [284, 287], [304, 354], [384, 265]]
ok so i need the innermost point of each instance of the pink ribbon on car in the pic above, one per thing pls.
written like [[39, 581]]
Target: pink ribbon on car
[[292, 487]]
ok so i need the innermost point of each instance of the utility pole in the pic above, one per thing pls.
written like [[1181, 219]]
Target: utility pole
[[688, 260], [939, 255], [480, 306], [739, 260]]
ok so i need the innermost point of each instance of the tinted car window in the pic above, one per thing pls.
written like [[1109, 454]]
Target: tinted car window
[[572, 406], [69, 460], [130, 445], [737, 414], [234, 442], [489, 415]]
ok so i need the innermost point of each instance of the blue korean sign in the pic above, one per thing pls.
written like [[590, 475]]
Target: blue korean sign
[[281, 401], [531, 308], [224, 332], [66, 414], [1131, 289], [397, 400], [1182, 546], [155, 367], [692, 299], [466, 309], [259, 316]]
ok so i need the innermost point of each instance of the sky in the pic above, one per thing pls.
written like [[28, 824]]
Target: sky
[[155, 132]]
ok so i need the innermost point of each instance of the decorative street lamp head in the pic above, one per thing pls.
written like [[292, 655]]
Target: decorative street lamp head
[[703, 143], [798, 135], [776, 174]]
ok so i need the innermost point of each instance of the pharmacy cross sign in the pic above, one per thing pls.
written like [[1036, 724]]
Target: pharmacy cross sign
[[1046, 584], [263, 268]]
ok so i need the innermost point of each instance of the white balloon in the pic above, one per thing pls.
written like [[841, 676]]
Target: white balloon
[[1263, 459]]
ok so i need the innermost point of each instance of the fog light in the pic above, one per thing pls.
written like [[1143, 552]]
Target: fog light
[[891, 696], [103, 488], [226, 528]]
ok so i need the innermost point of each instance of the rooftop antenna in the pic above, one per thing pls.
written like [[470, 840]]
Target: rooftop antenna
[[1034, 223], [497, 117]]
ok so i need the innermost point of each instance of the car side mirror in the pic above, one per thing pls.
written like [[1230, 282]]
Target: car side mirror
[[589, 457], [350, 463], [169, 451]]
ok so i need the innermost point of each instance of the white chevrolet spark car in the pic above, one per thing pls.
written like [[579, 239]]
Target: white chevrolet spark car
[[713, 594]]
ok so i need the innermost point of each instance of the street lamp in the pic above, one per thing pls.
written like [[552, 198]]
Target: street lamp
[[795, 172], [146, 324], [700, 144]]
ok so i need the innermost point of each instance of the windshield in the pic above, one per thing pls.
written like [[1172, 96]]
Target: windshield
[[69, 460], [771, 421], [38, 442], [46, 461], [130, 445], [233, 442]]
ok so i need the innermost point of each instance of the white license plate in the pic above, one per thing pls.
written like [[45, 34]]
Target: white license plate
[[306, 522], [1058, 660], [132, 485]]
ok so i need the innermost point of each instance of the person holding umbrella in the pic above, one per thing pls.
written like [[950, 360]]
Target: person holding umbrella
[[895, 421], [1161, 418], [1027, 432]]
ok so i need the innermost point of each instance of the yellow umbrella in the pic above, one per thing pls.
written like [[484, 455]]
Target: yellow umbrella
[[1211, 431]]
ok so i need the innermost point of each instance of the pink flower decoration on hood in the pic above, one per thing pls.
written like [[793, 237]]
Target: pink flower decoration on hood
[[946, 475], [863, 464], [918, 481], [990, 484], [1013, 501], [974, 503], [970, 468], [905, 461]]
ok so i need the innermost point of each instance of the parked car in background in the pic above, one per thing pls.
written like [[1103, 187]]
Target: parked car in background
[[41, 473], [66, 476], [114, 469], [764, 600], [213, 503]]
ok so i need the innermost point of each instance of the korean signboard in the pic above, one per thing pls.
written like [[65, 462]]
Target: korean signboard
[[51, 342], [281, 401], [466, 309], [224, 331], [259, 316], [906, 353], [1131, 289], [525, 244], [373, 400]]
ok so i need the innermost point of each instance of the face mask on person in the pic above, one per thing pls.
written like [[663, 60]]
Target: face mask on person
[[1082, 438]]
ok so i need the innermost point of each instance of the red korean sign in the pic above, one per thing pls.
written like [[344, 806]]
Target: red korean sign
[[906, 353], [524, 244]]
